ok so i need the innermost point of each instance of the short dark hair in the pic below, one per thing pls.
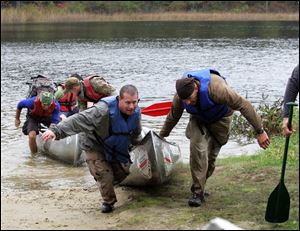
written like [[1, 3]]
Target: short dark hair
[[130, 89]]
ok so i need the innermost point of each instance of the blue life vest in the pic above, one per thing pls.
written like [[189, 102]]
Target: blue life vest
[[117, 143], [206, 110]]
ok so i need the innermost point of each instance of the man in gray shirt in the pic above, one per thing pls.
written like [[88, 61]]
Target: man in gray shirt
[[110, 127]]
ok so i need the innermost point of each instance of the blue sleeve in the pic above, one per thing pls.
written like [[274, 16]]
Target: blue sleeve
[[26, 103], [55, 119]]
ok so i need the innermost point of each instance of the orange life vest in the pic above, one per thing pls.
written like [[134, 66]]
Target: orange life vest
[[90, 94], [39, 111], [67, 101]]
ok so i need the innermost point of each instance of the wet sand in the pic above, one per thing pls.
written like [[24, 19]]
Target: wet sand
[[74, 208]]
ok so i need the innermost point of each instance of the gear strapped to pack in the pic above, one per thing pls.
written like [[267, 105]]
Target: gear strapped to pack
[[40, 84]]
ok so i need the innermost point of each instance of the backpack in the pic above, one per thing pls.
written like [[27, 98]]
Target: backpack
[[39, 84]]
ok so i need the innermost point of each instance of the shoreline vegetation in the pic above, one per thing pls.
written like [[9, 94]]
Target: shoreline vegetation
[[239, 190], [15, 16]]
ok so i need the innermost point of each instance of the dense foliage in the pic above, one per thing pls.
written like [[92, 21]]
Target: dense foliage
[[110, 7]]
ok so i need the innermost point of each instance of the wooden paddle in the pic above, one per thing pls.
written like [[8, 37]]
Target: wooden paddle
[[157, 109], [278, 206]]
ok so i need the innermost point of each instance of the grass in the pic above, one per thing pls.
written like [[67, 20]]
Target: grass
[[34, 14], [239, 188]]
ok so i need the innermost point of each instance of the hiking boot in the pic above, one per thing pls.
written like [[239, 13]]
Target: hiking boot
[[106, 208], [206, 194], [195, 200]]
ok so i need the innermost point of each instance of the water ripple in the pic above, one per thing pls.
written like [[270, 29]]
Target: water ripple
[[252, 66]]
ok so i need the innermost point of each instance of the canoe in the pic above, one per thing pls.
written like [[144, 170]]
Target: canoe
[[153, 160], [66, 150]]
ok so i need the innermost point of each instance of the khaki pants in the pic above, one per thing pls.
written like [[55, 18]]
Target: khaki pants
[[107, 174], [204, 149]]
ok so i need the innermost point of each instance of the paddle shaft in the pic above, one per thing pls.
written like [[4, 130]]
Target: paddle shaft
[[286, 146], [287, 141], [278, 206], [281, 186]]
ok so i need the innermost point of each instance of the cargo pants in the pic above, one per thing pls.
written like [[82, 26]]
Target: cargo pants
[[107, 174], [205, 145]]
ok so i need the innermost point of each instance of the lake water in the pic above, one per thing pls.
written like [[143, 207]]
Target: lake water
[[257, 58]]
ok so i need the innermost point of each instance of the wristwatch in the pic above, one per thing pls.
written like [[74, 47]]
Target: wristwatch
[[260, 131]]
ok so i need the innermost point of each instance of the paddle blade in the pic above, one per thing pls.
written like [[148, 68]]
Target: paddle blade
[[278, 206], [158, 109]]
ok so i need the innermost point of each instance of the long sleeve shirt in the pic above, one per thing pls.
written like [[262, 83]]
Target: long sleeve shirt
[[291, 91], [29, 104], [220, 93], [91, 123]]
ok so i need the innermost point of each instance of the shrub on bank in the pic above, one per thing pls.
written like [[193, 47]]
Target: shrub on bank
[[242, 131]]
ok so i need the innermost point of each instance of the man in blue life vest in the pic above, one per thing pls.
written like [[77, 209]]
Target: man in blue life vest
[[290, 95], [211, 102], [40, 109], [110, 127], [89, 90]]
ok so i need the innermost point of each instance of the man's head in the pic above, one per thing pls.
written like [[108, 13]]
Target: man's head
[[77, 76], [72, 84], [128, 99], [46, 99], [187, 90]]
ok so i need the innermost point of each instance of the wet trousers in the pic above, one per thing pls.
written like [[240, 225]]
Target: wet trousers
[[204, 149], [107, 174]]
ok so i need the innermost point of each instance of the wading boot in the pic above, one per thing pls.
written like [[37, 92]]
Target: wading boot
[[196, 200], [106, 208]]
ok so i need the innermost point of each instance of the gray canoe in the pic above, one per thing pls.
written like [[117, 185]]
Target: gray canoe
[[66, 150], [153, 160]]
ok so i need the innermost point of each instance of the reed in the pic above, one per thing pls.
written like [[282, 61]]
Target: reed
[[33, 14]]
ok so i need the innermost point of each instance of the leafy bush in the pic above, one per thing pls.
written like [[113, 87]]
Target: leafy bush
[[242, 131]]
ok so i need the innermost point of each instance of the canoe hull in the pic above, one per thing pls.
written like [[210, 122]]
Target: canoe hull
[[153, 161], [66, 150]]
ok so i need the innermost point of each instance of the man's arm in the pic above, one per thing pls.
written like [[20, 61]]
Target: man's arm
[[221, 93], [291, 91], [290, 95], [59, 93], [136, 136], [26, 103], [173, 117], [94, 118], [17, 118]]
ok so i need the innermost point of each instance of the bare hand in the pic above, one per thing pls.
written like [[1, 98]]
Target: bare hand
[[285, 130], [17, 122], [89, 104], [48, 135], [263, 140], [62, 117]]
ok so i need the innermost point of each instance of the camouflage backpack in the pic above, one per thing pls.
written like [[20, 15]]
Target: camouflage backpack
[[40, 84]]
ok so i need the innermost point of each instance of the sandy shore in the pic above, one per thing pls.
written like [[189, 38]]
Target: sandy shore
[[75, 208]]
